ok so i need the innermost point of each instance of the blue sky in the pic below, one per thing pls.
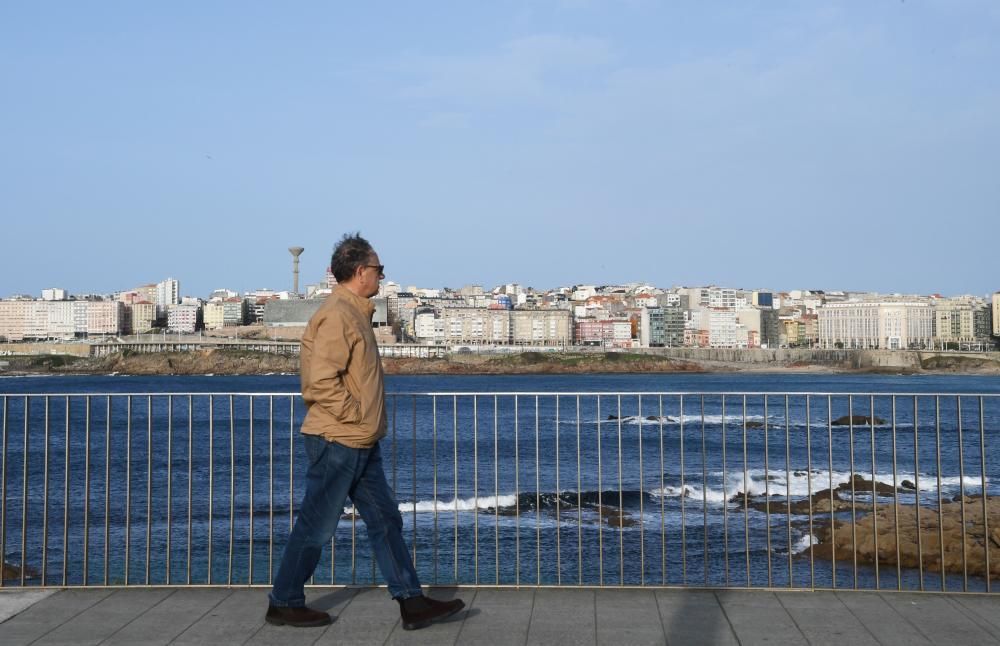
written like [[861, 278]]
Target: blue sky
[[783, 145]]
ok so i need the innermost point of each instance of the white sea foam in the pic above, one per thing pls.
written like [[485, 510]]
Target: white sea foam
[[799, 483], [757, 482], [805, 542], [656, 420], [453, 505]]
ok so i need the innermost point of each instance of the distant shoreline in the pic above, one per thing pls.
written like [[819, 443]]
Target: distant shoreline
[[242, 362]]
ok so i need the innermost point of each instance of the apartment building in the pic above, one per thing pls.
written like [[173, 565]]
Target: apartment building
[[475, 325], [794, 332], [724, 297], [168, 292], [543, 327], [996, 314], [885, 324], [183, 319], [22, 320], [428, 327], [608, 333], [724, 329], [661, 327], [12, 315], [961, 320], [234, 312], [105, 317], [760, 325], [213, 315], [140, 317], [54, 294]]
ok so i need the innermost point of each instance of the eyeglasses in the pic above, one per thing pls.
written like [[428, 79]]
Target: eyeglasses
[[381, 268]]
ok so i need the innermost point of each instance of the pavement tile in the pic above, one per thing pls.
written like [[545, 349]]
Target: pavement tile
[[169, 618], [327, 600], [47, 615], [881, 620], [510, 616], [628, 617], [694, 617], [563, 616], [938, 619], [105, 617], [497, 617], [982, 606], [442, 632], [823, 619], [233, 620], [368, 618], [14, 600], [759, 618]]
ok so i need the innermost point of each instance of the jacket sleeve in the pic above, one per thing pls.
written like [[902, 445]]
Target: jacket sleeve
[[332, 355]]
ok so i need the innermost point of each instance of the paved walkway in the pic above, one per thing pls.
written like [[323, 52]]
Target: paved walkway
[[503, 616]]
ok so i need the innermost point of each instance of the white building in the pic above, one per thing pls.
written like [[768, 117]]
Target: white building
[[183, 318], [37, 320], [583, 292], [428, 328], [168, 292], [885, 324], [724, 331], [54, 294]]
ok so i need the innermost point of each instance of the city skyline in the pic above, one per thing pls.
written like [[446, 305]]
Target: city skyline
[[833, 145], [455, 287]]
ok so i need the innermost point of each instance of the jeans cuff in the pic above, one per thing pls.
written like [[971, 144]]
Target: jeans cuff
[[409, 595], [283, 604]]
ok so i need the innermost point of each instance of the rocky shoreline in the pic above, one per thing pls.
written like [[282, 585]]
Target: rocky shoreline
[[245, 362], [953, 537]]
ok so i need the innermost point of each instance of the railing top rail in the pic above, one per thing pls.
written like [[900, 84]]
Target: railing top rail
[[524, 393]]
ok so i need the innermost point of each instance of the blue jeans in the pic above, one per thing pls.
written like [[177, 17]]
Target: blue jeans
[[336, 472]]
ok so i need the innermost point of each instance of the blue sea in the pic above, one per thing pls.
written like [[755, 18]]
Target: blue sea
[[562, 479]]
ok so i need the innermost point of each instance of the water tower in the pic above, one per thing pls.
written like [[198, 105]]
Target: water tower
[[296, 252]]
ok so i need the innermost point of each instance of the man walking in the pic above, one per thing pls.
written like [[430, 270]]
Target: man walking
[[344, 391]]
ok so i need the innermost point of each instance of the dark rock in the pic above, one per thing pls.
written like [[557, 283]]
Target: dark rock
[[819, 500], [13, 572], [755, 424], [616, 517], [863, 485], [906, 485], [769, 505]]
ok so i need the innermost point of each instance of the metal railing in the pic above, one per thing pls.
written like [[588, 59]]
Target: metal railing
[[771, 490]]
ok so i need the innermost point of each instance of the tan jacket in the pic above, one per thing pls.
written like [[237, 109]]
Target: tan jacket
[[342, 378]]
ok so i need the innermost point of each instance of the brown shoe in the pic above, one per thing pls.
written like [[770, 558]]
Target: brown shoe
[[418, 612], [299, 616]]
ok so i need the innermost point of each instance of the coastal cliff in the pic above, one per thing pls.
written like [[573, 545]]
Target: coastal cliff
[[672, 360]]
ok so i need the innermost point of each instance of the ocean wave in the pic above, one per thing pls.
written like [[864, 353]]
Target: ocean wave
[[800, 484], [720, 490]]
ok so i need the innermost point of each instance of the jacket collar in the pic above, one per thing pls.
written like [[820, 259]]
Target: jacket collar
[[363, 305]]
